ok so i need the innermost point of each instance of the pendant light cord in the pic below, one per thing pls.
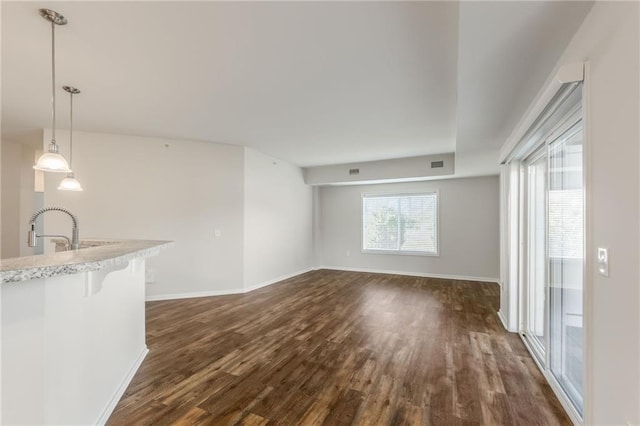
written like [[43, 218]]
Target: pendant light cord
[[71, 132], [53, 82]]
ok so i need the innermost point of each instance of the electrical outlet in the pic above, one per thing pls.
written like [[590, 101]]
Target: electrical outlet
[[150, 276], [217, 233]]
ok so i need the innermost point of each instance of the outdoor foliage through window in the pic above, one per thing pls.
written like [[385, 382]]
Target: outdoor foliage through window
[[400, 223]]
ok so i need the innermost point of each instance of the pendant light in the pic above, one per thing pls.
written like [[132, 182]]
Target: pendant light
[[53, 161], [70, 183]]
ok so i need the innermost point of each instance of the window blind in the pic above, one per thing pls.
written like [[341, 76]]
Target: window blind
[[400, 223]]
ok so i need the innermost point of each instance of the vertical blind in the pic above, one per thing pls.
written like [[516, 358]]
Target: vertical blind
[[402, 223]]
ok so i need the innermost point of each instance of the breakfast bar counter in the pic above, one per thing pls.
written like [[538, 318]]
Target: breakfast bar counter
[[73, 330], [94, 254]]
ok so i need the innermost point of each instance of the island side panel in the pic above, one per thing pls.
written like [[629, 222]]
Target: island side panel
[[23, 352], [93, 335]]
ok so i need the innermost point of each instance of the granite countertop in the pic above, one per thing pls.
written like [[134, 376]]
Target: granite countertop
[[100, 253]]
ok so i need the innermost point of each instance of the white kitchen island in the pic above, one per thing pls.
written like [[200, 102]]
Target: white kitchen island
[[73, 331]]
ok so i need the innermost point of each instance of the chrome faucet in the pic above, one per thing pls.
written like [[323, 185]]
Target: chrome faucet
[[75, 232]]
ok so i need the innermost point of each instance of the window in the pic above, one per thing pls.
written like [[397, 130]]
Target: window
[[400, 223]]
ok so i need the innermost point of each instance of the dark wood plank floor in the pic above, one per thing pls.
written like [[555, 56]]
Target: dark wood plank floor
[[338, 348]]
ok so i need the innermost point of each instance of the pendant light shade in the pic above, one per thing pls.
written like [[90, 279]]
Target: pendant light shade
[[70, 183], [52, 160]]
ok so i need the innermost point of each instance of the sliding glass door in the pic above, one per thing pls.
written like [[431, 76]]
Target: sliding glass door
[[553, 257], [566, 261], [536, 295]]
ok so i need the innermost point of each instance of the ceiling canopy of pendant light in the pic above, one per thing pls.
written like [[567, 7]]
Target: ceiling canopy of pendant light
[[70, 183], [52, 160]]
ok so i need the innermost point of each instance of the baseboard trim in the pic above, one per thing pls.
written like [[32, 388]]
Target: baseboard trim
[[106, 413], [503, 320], [277, 280], [175, 296], [229, 292], [412, 274]]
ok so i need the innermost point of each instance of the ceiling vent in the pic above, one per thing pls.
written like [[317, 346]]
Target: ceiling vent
[[354, 171], [437, 164]]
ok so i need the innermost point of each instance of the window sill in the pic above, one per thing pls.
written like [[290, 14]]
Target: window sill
[[400, 253]]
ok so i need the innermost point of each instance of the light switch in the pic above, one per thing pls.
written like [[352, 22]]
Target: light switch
[[217, 233], [603, 261]]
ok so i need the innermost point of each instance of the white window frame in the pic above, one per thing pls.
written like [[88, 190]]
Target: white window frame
[[435, 192]]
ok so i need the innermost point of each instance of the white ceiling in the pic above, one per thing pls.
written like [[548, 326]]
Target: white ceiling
[[312, 83]]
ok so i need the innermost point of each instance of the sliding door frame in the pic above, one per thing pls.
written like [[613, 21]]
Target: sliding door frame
[[569, 120], [523, 140], [539, 352]]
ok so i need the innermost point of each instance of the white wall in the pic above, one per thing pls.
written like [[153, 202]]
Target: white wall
[[278, 238], [19, 200], [468, 229], [1, 215], [609, 40], [11, 154], [187, 192], [149, 188]]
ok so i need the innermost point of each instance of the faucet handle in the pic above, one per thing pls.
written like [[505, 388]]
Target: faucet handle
[[32, 238]]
